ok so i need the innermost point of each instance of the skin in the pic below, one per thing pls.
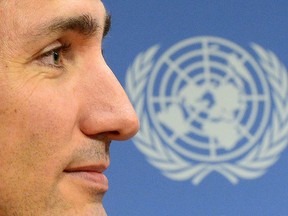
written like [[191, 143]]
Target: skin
[[55, 115]]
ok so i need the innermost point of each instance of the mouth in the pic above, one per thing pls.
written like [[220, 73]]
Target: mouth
[[91, 177]]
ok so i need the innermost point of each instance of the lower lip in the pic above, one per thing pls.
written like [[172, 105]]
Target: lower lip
[[92, 179]]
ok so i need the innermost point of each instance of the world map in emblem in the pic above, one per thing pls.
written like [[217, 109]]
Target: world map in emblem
[[204, 102], [209, 102]]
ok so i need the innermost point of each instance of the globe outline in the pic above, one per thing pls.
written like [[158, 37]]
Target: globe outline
[[153, 116]]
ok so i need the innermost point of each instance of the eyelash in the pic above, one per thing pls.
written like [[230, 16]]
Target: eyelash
[[62, 50]]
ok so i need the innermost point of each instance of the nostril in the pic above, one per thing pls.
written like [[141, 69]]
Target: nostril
[[115, 133]]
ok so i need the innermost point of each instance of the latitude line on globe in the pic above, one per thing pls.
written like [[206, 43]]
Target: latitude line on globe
[[177, 69], [159, 99]]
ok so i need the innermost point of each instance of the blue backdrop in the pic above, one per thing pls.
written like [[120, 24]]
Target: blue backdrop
[[253, 181]]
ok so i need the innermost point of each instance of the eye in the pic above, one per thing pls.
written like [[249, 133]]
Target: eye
[[54, 57]]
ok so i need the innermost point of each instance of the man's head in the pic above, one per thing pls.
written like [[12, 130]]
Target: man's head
[[61, 106]]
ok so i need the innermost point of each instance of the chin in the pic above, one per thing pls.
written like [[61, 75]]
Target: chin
[[87, 211]]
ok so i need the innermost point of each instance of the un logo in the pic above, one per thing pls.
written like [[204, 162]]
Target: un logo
[[207, 105]]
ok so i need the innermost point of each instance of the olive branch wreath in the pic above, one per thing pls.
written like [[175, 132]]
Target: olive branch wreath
[[253, 165]]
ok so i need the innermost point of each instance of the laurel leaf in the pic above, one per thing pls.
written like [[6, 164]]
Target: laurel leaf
[[143, 134], [144, 126], [168, 166], [242, 172], [275, 121], [129, 79], [230, 176], [201, 175], [280, 106], [258, 164], [138, 73], [166, 154], [158, 145], [283, 133], [250, 156], [139, 107], [270, 73], [139, 90], [284, 80], [284, 77], [129, 84], [276, 85], [275, 138], [144, 139], [150, 53], [137, 65], [147, 150], [260, 51], [266, 141], [144, 71], [275, 64], [176, 159], [132, 81], [277, 148], [185, 174], [145, 63]]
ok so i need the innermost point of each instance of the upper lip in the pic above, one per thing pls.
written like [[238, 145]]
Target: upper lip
[[99, 168]]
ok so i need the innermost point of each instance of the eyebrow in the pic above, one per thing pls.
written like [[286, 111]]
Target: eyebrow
[[84, 24]]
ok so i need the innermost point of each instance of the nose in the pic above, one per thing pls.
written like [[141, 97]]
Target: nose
[[105, 107]]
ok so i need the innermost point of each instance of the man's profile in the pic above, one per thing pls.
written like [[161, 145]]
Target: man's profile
[[61, 106]]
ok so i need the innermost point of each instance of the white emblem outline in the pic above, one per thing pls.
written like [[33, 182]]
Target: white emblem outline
[[253, 165]]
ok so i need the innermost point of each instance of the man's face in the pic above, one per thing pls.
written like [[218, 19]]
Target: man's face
[[60, 106]]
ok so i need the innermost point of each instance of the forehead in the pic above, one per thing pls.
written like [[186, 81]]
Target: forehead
[[20, 20], [29, 12], [46, 4]]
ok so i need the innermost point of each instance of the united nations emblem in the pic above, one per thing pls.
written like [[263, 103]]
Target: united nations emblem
[[207, 105]]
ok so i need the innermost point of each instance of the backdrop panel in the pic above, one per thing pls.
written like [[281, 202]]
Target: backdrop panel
[[208, 80]]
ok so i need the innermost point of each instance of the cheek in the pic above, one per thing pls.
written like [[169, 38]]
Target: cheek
[[50, 117], [38, 126], [36, 131], [51, 114]]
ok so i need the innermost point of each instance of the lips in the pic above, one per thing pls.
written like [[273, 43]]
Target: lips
[[89, 168], [89, 176]]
